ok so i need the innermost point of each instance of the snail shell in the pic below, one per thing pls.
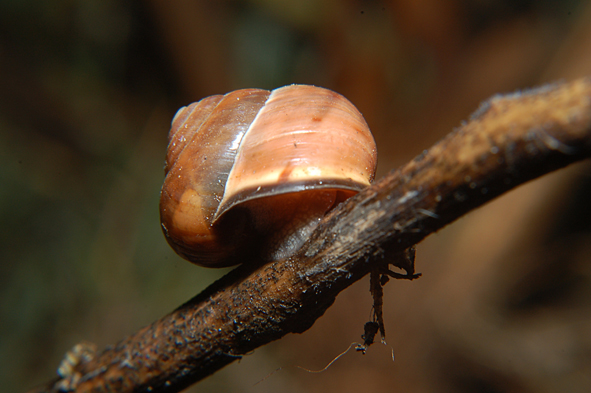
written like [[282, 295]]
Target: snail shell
[[251, 173]]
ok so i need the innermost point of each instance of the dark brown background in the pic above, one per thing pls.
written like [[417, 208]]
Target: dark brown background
[[87, 92]]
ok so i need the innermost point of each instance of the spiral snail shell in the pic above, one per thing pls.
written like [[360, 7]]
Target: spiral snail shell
[[251, 173]]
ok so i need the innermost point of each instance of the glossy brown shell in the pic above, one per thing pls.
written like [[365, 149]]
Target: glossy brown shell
[[254, 164]]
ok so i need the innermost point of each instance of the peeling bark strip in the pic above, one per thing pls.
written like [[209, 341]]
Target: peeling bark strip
[[511, 139]]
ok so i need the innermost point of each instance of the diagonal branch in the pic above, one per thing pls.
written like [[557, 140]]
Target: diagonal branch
[[509, 140]]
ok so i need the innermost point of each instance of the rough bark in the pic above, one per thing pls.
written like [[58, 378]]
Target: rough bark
[[509, 140]]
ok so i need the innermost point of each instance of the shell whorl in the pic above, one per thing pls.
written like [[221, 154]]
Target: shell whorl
[[231, 150]]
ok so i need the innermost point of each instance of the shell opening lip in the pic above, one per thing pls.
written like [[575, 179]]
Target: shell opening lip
[[286, 188]]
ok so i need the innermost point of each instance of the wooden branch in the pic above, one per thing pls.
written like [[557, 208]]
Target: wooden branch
[[509, 140]]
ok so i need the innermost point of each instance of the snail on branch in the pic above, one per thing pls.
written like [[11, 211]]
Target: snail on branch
[[249, 174]]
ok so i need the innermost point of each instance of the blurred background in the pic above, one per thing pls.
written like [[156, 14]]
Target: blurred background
[[87, 92]]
